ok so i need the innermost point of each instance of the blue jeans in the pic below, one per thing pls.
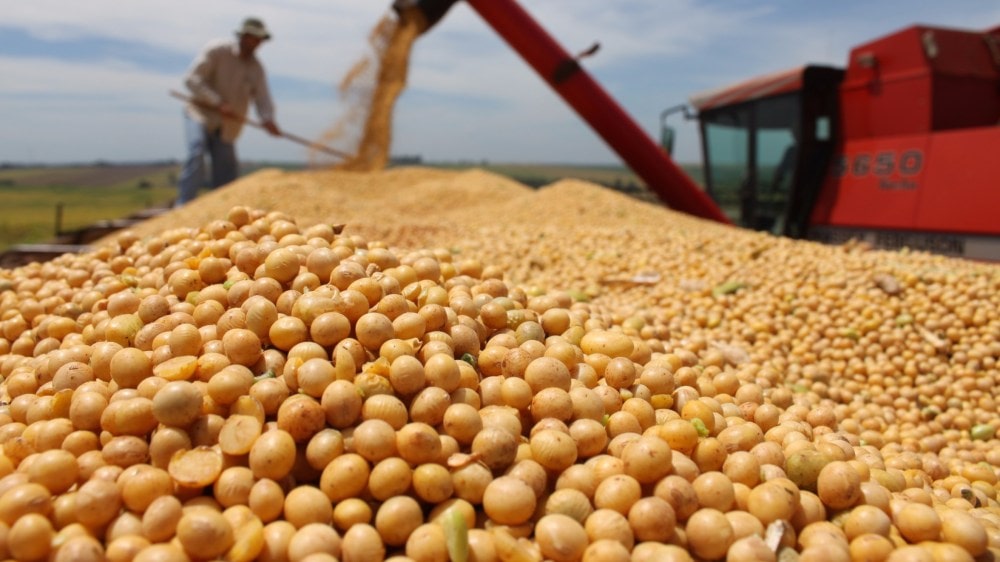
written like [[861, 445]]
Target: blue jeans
[[200, 143]]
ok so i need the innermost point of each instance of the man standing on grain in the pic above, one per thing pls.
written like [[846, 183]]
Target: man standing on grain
[[223, 80]]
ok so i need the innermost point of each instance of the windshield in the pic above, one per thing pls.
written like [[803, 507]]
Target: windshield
[[750, 156], [727, 141]]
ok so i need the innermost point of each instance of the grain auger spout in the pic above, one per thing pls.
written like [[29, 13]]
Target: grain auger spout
[[569, 79]]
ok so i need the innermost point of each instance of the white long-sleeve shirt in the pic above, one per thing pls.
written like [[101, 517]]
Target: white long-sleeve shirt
[[218, 75]]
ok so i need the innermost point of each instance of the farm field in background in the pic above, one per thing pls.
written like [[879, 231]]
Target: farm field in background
[[88, 194]]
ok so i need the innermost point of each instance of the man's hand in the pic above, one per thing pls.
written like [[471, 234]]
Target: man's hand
[[272, 128]]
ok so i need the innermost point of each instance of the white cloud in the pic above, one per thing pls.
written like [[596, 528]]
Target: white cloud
[[42, 76]]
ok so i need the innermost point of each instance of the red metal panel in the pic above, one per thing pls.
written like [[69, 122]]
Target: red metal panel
[[887, 88], [593, 104], [921, 79], [963, 182], [966, 82], [875, 183], [943, 182]]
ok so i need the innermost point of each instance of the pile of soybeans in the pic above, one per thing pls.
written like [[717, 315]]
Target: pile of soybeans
[[427, 365]]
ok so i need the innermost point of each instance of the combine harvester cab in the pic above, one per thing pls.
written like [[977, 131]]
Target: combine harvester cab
[[898, 150]]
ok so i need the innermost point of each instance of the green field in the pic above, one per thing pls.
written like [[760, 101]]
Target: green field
[[86, 194]]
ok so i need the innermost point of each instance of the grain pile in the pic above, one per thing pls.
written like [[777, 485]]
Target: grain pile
[[473, 370]]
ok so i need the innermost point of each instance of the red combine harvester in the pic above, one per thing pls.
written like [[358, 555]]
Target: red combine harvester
[[900, 149]]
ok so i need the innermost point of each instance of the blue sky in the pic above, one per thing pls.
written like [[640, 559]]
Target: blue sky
[[84, 81]]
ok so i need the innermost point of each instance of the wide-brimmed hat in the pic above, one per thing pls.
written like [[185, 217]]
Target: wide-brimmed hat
[[255, 27]]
